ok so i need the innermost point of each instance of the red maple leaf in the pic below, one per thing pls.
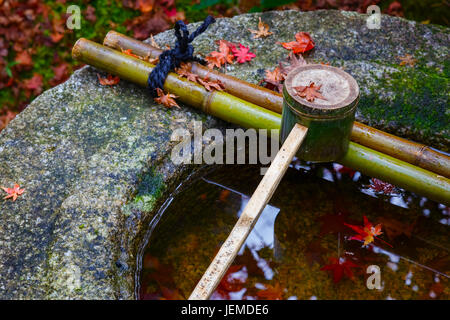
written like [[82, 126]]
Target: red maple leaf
[[218, 58], [242, 54], [275, 292], [13, 192], [229, 284], [381, 186], [340, 267], [368, 233], [304, 43]]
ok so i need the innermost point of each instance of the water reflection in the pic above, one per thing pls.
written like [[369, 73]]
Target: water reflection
[[289, 254]]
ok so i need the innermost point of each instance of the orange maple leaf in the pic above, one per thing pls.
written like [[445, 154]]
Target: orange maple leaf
[[219, 58], [166, 99], [109, 80], [129, 52], [303, 43], [407, 59], [310, 92], [13, 192], [263, 30]]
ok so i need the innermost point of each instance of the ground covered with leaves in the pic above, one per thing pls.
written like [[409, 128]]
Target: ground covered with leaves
[[35, 43]]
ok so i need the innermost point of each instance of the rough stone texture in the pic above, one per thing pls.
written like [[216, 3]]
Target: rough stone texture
[[95, 160]]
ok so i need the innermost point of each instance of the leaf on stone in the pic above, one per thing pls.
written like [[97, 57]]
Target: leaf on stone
[[293, 61], [13, 193], [263, 30], [109, 80], [302, 44], [407, 60], [310, 92], [243, 54], [219, 58], [166, 100]]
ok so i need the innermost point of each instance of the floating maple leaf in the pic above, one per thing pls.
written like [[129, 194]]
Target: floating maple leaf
[[243, 54], [407, 59], [368, 233], [166, 99], [263, 30], [314, 252], [340, 267], [304, 43], [275, 292], [13, 192], [109, 80], [395, 228], [333, 223], [346, 170], [310, 92], [381, 186]]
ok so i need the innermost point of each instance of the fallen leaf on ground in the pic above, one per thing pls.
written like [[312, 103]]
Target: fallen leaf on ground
[[263, 30], [13, 192], [302, 44], [166, 100], [310, 92], [109, 80]]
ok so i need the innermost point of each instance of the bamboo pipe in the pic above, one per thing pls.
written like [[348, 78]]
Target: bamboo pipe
[[411, 152], [263, 193], [246, 114]]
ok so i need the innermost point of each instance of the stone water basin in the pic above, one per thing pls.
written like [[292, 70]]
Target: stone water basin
[[299, 233]]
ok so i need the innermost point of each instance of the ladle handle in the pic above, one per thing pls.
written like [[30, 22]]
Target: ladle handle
[[250, 215]]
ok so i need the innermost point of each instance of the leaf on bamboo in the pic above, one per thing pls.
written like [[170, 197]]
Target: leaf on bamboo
[[243, 54], [310, 92], [130, 53], [185, 71], [14, 192], [167, 100], [109, 80], [262, 32], [293, 61], [303, 43]]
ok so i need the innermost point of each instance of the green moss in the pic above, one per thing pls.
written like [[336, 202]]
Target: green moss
[[419, 99]]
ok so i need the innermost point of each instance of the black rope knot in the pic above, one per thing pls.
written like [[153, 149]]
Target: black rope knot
[[171, 59]]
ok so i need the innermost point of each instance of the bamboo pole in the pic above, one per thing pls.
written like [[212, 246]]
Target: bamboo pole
[[409, 151], [246, 114], [263, 193]]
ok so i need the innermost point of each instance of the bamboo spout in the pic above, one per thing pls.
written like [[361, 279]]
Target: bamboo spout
[[246, 114], [409, 151]]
